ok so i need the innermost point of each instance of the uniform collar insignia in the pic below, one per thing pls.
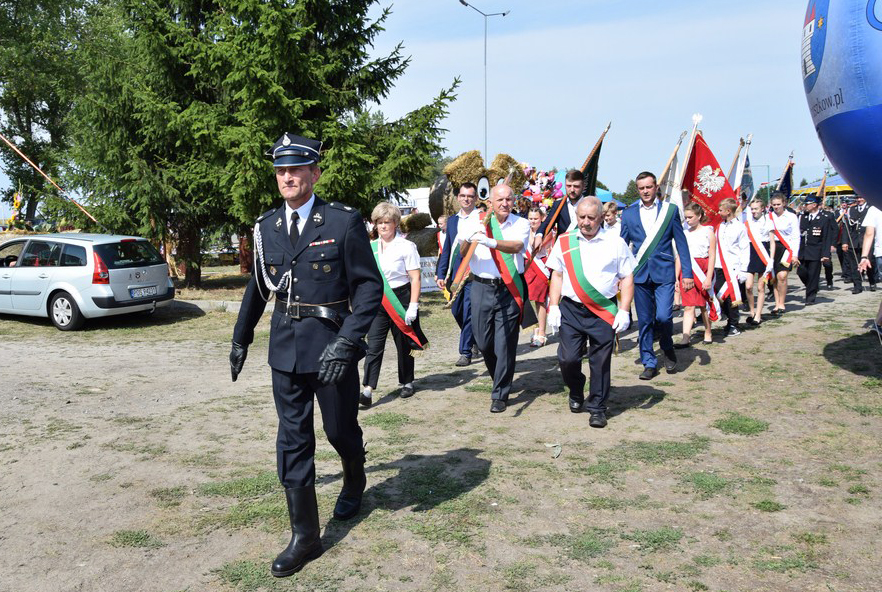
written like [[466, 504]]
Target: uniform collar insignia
[[317, 218], [278, 223]]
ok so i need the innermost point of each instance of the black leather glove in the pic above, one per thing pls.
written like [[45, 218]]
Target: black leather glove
[[341, 353], [237, 359]]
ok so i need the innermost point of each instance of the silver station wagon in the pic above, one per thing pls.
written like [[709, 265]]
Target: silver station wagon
[[70, 277]]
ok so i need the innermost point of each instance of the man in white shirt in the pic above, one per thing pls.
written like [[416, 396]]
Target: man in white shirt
[[785, 231], [853, 239], [582, 305], [872, 244], [496, 314]]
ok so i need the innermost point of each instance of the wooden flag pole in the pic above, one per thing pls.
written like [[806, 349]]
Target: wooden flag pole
[[48, 178], [735, 160], [596, 146], [696, 119], [663, 177]]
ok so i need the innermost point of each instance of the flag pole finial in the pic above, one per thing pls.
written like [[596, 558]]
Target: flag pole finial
[[696, 118]]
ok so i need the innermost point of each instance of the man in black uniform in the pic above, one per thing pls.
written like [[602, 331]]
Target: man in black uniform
[[316, 258], [852, 239], [816, 237], [827, 211]]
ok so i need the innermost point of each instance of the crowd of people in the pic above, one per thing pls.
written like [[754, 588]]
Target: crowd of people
[[578, 263]]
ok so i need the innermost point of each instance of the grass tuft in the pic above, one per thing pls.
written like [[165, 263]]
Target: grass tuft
[[768, 505], [660, 539], [140, 539], [735, 423], [246, 487], [706, 485]]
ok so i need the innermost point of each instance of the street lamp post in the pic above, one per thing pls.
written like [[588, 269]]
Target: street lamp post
[[486, 17]]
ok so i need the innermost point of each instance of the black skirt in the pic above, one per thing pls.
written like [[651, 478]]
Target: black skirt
[[756, 264]]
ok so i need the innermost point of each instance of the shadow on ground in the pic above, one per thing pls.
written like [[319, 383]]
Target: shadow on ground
[[859, 354]]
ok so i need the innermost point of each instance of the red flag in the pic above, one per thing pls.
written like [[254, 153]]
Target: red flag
[[704, 180]]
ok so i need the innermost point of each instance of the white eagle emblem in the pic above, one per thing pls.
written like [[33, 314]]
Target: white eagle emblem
[[709, 181]]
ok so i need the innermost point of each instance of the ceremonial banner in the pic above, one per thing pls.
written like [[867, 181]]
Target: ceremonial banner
[[704, 180], [785, 183], [747, 187]]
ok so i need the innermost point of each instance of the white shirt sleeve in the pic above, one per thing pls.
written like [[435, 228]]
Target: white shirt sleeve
[[555, 258], [412, 257]]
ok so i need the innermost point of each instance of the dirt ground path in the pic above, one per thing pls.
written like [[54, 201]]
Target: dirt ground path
[[129, 461]]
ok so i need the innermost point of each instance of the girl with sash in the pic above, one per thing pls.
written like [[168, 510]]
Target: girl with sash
[[536, 276], [702, 253], [762, 262], [399, 264], [784, 230]]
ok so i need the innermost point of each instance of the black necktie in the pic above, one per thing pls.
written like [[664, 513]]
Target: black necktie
[[294, 233]]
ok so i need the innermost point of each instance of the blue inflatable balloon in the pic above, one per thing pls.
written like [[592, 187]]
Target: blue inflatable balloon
[[842, 74]]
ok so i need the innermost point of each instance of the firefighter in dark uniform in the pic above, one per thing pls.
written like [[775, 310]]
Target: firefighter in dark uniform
[[315, 259], [827, 212], [853, 239], [816, 238]]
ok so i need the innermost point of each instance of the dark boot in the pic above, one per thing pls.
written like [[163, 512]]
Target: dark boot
[[306, 541], [354, 482]]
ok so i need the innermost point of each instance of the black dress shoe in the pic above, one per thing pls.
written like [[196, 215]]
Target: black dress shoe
[[752, 321], [475, 351], [857, 290], [406, 391], [648, 373], [872, 287], [365, 401], [597, 420], [576, 406], [497, 406], [670, 361], [463, 361]]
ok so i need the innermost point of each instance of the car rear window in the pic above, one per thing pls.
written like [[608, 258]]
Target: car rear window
[[128, 254], [73, 256]]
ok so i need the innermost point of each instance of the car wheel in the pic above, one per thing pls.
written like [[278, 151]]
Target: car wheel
[[64, 312]]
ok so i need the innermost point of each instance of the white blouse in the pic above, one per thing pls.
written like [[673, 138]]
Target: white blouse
[[397, 258], [699, 241]]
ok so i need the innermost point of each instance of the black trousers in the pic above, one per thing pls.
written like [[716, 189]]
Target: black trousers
[[828, 271], [578, 324], [726, 305], [495, 326], [809, 273], [376, 339], [295, 442], [851, 268]]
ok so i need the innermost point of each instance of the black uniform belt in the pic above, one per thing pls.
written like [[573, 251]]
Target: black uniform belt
[[298, 310], [488, 281]]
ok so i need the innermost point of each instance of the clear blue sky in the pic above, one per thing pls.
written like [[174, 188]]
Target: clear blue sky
[[558, 70]]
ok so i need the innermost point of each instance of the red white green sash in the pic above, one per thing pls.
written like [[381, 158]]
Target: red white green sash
[[508, 268], [787, 258], [393, 307], [653, 237], [603, 307], [759, 248]]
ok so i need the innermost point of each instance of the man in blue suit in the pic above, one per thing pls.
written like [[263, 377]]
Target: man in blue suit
[[467, 196], [651, 226]]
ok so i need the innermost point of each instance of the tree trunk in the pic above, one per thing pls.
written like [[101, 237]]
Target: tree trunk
[[190, 253], [246, 254]]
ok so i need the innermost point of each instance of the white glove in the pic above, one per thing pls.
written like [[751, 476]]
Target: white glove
[[411, 314], [553, 318], [483, 239], [622, 321], [770, 267], [742, 277]]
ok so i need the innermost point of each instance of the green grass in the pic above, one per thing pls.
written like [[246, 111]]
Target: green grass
[[859, 489], [768, 505], [386, 420], [660, 452], [735, 423], [169, 497], [606, 503], [706, 485], [585, 545], [140, 539], [660, 539], [261, 484]]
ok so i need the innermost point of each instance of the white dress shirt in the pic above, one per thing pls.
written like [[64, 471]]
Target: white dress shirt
[[303, 211], [397, 258], [615, 229], [761, 228], [732, 241], [788, 225], [874, 219], [514, 228], [462, 218], [606, 259], [648, 216], [698, 241], [571, 210]]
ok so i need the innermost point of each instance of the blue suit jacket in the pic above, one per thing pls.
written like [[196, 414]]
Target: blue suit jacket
[[449, 244], [660, 267], [562, 222]]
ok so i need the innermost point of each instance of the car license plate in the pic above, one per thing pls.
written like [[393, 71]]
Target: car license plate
[[143, 292]]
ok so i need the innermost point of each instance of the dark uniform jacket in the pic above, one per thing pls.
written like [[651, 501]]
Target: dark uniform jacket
[[816, 236], [562, 222], [332, 262], [853, 232]]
